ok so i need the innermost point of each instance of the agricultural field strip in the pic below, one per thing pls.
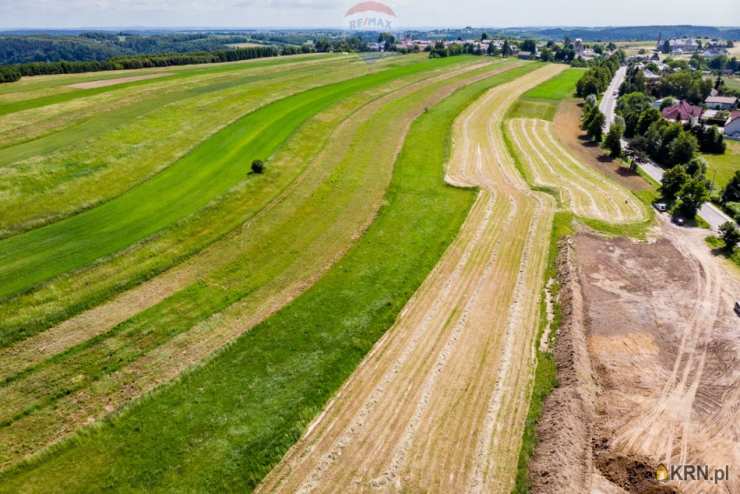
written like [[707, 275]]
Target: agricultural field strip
[[55, 89], [77, 169], [51, 84], [17, 357], [230, 275], [213, 437], [44, 85], [587, 192], [544, 174], [72, 293], [183, 188], [445, 364], [29, 125]]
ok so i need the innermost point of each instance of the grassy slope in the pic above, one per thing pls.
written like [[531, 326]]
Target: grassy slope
[[724, 165], [71, 293], [182, 189], [317, 227], [82, 164], [542, 101], [200, 433]]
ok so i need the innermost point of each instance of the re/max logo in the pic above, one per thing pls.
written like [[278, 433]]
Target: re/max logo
[[370, 22], [699, 472]]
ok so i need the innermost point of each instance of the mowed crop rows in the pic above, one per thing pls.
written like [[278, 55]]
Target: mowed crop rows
[[202, 316], [439, 404], [306, 227], [72, 155], [59, 375], [582, 190]]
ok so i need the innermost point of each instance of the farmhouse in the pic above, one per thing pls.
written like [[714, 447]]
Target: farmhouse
[[683, 112], [721, 102]]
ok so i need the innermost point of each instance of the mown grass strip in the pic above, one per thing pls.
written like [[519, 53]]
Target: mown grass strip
[[542, 101], [223, 426], [53, 99], [48, 129], [182, 189]]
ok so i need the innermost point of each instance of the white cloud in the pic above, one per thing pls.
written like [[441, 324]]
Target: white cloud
[[255, 13]]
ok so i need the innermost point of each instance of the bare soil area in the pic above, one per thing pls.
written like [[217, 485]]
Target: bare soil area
[[568, 131], [648, 365]]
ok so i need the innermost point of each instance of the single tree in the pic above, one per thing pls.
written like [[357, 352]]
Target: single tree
[[613, 140], [595, 125], [730, 234], [682, 148], [732, 190], [506, 50], [258, 166], [673, 181], [692, 195]]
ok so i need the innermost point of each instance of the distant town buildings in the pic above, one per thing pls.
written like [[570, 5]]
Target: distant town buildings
[[679, 46]]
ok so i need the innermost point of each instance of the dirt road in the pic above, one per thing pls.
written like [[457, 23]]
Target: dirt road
[[439, 404]]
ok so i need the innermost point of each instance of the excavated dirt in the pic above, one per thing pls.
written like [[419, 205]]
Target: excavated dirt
[[648, 366]]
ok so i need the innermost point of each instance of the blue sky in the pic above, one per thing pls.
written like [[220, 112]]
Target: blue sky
[[329, 13]]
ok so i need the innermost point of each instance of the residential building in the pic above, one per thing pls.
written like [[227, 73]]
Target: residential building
[[721, 102], [732, 129], [679, 45], [683, 112]]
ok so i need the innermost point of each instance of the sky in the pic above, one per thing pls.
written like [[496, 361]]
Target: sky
[[330, 13]]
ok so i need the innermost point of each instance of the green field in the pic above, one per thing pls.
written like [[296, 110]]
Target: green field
[[197, 432], [182, 189], [542, 101], [722, 167]]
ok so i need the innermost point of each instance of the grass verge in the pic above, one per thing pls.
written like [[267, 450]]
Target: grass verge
[[718, 248]]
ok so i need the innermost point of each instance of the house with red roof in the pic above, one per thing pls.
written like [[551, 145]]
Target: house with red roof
[[683, 112]]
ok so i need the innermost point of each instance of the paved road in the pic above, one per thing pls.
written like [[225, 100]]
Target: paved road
[[711, 213], [609, 101]]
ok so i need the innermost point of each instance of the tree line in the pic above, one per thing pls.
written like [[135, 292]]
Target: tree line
[[596, 79], [88, 46]]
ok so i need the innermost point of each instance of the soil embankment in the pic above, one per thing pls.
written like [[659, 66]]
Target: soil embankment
[[648, 362]]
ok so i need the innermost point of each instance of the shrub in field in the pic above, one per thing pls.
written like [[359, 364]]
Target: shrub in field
[[258, 166], [730, 234]]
